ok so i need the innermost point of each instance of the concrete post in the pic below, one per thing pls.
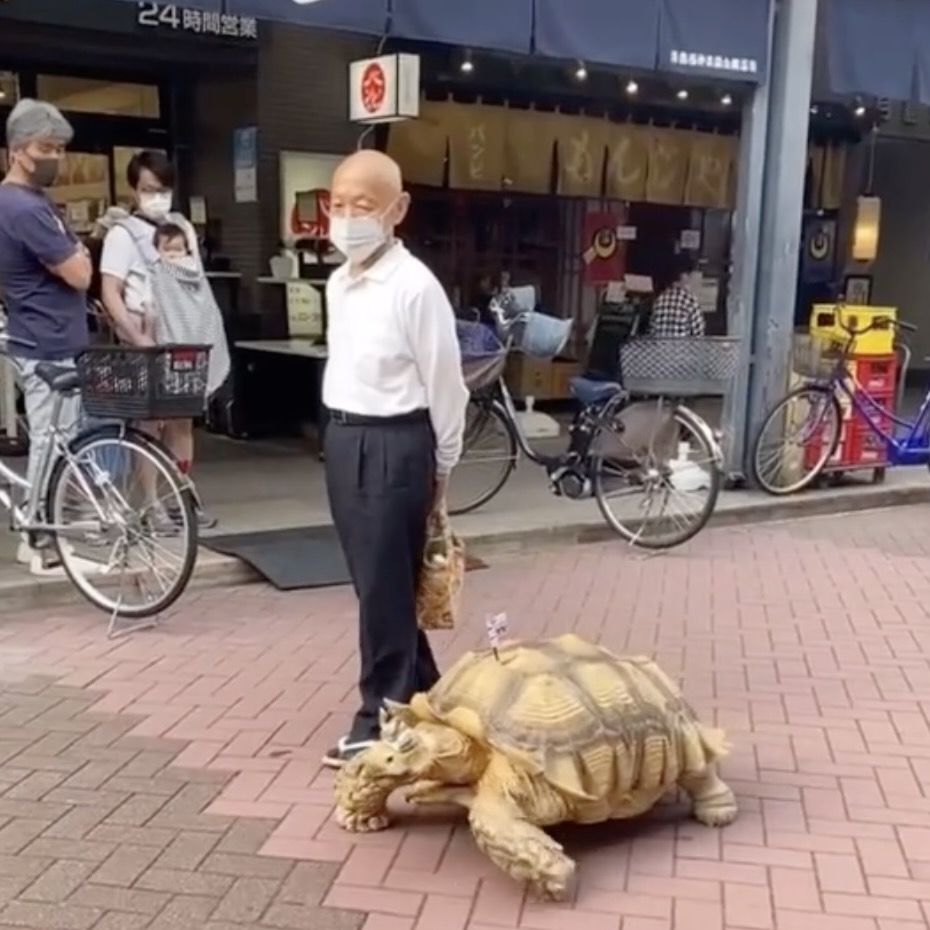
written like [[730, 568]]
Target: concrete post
[[742, 296], [782, 206]]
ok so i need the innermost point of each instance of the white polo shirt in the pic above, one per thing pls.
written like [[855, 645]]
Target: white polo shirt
[[393, 348]]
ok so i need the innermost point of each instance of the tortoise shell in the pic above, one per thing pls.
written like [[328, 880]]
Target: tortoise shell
[[594, 725]]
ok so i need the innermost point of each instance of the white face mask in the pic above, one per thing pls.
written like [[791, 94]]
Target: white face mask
[[157, 206], [358, 237]]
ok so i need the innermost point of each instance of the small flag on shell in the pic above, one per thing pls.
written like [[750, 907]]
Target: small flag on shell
[[496, 627]]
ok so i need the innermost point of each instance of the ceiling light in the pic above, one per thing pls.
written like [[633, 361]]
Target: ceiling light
[[581, 72], [2, 94], [632, 88], [467, 65], [815, 110], [726, 100], [682, 94]]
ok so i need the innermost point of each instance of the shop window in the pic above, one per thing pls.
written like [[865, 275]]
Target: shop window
[[83, 188], [110, 98], [9, 88]]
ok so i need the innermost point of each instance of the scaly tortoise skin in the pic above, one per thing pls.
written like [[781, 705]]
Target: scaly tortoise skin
[[545, 733]]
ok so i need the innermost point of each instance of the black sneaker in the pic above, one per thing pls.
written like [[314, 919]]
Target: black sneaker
[[344, 751]]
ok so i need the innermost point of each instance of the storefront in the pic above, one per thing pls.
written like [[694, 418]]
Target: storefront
[[132, 81], [537, 133], [567, 152], [878, 57]]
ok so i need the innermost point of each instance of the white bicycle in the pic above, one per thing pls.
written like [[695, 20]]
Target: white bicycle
[[112, 500]]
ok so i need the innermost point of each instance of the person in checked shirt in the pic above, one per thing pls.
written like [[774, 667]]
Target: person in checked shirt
[[396, 397], [676, 313]]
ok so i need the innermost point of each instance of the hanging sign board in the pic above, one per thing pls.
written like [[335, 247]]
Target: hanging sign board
[[385, 89]]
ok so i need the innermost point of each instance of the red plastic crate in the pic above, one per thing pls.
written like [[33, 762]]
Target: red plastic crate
[[859, 446], [877, 374], [867, 448], [814, 449]]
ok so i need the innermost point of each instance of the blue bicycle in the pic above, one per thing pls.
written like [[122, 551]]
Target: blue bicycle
[[800, 436]]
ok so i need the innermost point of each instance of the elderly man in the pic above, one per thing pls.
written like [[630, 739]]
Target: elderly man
[[396, 399], [44, 271]]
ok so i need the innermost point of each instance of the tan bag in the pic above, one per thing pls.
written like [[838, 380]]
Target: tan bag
[[441, 577]]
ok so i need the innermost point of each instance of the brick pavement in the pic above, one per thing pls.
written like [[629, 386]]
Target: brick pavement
[[171, 780]]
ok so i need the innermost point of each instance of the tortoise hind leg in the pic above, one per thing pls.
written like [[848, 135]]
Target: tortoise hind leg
[[714, 803], [521, 849]]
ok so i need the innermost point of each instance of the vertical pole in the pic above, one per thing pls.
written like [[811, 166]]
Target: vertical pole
[[742, 297], [782, 206]]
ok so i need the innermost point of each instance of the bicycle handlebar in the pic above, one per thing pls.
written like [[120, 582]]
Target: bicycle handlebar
[[880, 322]]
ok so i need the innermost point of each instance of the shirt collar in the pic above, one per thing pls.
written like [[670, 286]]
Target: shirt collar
[[381, 270]]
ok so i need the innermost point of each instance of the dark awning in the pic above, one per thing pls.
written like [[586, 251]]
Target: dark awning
[[503, 25], [622, 33], [368, 16], [878, 48], [718, 38], [723, 39]]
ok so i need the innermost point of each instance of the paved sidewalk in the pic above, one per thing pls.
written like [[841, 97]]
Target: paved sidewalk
[[171, 780]]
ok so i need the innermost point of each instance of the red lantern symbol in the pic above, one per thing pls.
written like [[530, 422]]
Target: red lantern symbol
[[374, 87]]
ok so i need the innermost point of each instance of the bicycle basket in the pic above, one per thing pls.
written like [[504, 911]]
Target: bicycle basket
[[542, 336], [158, 383], [483, 356], [685, 366], [815, 357]]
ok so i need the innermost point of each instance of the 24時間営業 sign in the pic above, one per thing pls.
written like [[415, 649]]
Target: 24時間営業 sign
[[171, 16]]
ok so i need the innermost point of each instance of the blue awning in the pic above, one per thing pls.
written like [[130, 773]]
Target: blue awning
[[878, 48], [502, 25], [610, 32], [715, 38], [367, 16]]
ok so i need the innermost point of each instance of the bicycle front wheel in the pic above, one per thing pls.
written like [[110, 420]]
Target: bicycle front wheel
[[660, 492], [797, 440], [124, 523], [489, 455]]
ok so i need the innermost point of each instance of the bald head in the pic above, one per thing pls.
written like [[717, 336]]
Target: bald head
[[369, 183], [372, 168]]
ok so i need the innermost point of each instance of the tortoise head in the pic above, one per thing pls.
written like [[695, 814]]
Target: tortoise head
[[401, 757]]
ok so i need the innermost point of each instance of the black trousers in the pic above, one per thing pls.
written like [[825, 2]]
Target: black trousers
[[380, 481]]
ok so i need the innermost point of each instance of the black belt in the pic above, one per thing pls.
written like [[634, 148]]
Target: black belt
[[342, 418]]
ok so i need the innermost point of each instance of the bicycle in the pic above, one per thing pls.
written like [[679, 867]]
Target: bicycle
[[789, 463], [112, 500], [617, 450]]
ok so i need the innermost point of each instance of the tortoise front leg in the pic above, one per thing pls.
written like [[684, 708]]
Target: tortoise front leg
[[521, 849], [437, 792]]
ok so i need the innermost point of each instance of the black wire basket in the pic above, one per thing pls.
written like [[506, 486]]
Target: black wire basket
[[158, 383]]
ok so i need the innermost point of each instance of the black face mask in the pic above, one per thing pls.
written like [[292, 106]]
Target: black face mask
[[45, 171]]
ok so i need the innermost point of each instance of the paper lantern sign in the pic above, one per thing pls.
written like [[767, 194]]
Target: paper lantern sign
[[385, 89]]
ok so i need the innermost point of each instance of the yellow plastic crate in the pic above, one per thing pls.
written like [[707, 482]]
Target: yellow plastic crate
[[825, 325]]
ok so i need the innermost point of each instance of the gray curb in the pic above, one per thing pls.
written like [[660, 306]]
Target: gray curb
[[218, 571]]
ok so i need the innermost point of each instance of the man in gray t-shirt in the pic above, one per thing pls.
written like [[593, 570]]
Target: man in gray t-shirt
[[44, 272]]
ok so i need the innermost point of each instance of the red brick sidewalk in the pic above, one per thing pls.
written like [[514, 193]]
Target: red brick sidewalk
[[809, 642]]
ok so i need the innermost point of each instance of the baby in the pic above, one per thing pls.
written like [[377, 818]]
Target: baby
[[171, 244]]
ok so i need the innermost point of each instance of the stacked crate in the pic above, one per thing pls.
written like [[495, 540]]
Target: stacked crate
[[873, 366]]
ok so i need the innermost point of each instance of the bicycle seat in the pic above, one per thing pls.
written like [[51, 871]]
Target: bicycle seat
[[59, 378], [589, 392]]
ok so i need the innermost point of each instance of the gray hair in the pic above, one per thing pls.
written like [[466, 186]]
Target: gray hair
[[34, 119]]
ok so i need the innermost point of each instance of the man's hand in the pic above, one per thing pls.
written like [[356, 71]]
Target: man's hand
[[440, 488]]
